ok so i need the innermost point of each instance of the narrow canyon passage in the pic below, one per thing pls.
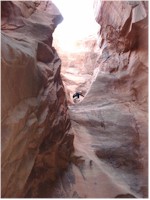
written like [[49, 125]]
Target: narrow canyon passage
[[107, 160], [110, 122], [53, 146]]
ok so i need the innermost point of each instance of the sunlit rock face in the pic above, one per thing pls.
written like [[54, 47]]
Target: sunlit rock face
[[78, 64], [35, 138], [110, 124]]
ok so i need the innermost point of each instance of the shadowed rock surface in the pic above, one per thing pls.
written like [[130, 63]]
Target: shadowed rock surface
[[36, 143], [109, 125]]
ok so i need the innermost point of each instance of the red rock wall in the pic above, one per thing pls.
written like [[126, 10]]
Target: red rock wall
[[110, 124], [124, 43], [122, 82], [36, 142]]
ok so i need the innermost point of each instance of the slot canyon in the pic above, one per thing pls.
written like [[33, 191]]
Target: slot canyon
[[53, 146]]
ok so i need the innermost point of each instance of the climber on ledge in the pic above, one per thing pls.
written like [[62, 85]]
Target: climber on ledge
[[77, 94]]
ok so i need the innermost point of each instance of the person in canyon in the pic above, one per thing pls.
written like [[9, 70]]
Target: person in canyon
[[77, 95]]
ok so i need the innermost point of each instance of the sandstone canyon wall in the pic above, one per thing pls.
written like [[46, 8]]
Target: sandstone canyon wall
[[36, 142], [111, 123], [78, 64]]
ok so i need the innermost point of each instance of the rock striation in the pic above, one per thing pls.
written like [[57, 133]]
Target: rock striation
[[36, 138], [110, 124]]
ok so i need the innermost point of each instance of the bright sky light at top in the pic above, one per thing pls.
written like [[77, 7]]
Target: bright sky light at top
[[79, 21]]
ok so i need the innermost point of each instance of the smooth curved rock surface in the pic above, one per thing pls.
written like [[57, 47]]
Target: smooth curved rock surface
[[35, 122], [111, 123]]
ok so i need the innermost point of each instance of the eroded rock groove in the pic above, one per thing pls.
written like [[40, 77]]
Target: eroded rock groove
[[52, 147]]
